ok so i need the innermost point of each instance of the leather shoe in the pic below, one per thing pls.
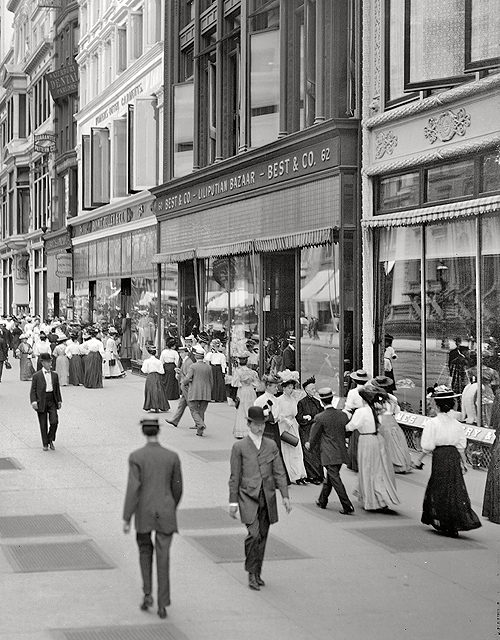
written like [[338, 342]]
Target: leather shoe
[[162, 613], [51, 445], [146, 603], [45, 447], [347, 512], [252, 582], [260, 582], [321, 505], [170, 422]]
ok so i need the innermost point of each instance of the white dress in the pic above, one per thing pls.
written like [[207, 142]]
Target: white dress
[[111, 353], [286, 410]]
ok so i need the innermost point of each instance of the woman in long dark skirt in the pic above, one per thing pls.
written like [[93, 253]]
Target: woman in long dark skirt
[[73, 352], [491, 502], [217, 362], [155, 398], [169, 358], [94, 352], [447, 504]]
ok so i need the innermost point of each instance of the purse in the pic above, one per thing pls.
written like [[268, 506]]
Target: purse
[[289, 438], [8, 365], [112, 362]]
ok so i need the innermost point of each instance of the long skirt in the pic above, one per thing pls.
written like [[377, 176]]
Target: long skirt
[[62, 370], [170, 382], [218, 384], [312, 458], [292, 456], [76, 370], [491, 503], [112, 371], [92, 370], [446, 503], [26, 370], [352, 451], [246, 394], [377, 482], [154, 393], [395, 444]]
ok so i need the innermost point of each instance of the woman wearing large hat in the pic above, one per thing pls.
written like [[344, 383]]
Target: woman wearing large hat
[[245, 380], [24, 352], [354, 401], [62, 362], [446, 505], [74, 355]]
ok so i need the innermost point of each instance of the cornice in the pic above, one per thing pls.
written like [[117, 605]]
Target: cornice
[[38, 55]]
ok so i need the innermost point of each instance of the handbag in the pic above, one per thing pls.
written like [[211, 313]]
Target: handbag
[[8, 365], [112, 362], [289, 438]]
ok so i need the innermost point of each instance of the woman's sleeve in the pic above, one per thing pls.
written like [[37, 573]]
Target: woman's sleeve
[[427, 441], [355, 422]]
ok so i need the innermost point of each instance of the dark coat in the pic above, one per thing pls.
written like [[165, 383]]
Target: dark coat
[[251, 470], [38, 388], [329, 428], [154, 489], [288, 361], [308, 406], [198, 381], [4, 349]]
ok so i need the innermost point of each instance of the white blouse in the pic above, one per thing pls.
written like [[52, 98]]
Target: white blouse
[[441, 431], [73, 349], [169, 356], [362, 420], [215, 357], [91, 345], [152, 365]]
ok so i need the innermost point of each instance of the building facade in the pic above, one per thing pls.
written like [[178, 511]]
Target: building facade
[[259, 209], [431, 196], [119, 124]]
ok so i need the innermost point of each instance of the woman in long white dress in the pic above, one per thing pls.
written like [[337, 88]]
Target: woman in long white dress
[[286, 414], [111, 365], [62, 362], [245, 380], [377, 482]]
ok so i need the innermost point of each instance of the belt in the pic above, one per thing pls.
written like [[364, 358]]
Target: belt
[[372, 433]]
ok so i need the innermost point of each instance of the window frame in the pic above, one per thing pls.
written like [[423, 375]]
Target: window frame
[[472, 66]]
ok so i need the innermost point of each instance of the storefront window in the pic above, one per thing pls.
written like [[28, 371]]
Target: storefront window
[[490, 173], [401, 313], [81, 307], [450, 302], [320, 315], [397, 192], [169, 301]]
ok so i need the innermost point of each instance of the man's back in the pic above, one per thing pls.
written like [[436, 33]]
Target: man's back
[[329, 426], [199, 377]]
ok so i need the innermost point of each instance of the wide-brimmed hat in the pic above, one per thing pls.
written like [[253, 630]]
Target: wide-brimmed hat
[[382, 381], [256, 414], [325, 393], [270, 379], [289, 377], [443, 392], [373, 393], [112, 330], [62, 339], [359, 376], [198, 351]]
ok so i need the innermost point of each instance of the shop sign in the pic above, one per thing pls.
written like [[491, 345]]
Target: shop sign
[[472, 432], [306, 162], [64, 267], [63, 81], [114, 219], [49, 4], [118, 104], [59, 242], [44, 142]]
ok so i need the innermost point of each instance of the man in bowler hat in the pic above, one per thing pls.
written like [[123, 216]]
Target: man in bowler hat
[[154, 491], [45, 398], [329, 428], [256, 471]]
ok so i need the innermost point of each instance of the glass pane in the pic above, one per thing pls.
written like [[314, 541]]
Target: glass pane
[[450, 302], [264, 87], [169, 299], [395, 22], [490, 173], [100, 166], [145, 144], [320, 315], [143, 312], [490, 300], [183, 129], [401, 313], [485, 27], [450, 181], [397, 192], [437, 40]]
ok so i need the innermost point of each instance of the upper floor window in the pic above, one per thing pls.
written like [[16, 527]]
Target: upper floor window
[[41, 102], [136, 36]]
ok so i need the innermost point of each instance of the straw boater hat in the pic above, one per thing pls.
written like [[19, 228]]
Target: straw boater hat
[[442, 392], [359, 376]]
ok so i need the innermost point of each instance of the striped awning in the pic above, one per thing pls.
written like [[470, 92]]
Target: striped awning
[[436, 214], [179, 256]]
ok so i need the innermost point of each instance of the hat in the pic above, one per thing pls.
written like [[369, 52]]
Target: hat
[[311, 380], [182, 348], [287, 377], [112, 330], [62, 339], [45, 356], [442, 392], [191, 338], [382, 381], [359, 376], [291, 338], [372, 393], [203, 337], [150, 348], [150, 426], [388, 336], [23, 336], [198, 351], [243, 355], [325, 393], [270, 379], [256, 414]]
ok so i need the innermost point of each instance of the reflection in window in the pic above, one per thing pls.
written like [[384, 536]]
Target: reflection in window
[[183, 129], [397, 192], [490, 178], [400, 310], [264, 87], [483, 45], [320, 315], [450, 181]]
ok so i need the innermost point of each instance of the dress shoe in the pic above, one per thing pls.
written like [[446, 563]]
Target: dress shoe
[[321, 505], [170, 422], [260, 582], [146, 603], [347, 512], [45, 447], [252, 582], [51, 445], [162, 613], [200, 431]]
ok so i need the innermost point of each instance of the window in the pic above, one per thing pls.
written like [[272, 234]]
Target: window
[[183, 129], [108, 69], [145, 144], [136, 44], [394, 43], [86, 173], [490, 173], [119, 152], [482, 44], [95, 77], [4, 226], [305, 66], [23, 200], [41, 194], [41, 102], [122, 49], [186, 13], [264, 87], [154, 21], [100, 171], [449, 182]]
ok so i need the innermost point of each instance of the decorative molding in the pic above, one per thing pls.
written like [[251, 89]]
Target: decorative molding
[[447, 125], [377, 55], [385, 142], [484, 85], [447, 153]]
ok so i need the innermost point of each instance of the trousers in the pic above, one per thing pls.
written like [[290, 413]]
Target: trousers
[[198, 408], [255, 542], [48, 435], [334, 481], [146, 548], [181, 407]]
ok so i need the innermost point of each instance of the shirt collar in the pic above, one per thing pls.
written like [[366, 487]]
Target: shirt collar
[[257, 440]]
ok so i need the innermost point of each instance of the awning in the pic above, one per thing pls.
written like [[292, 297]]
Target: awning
[[232, 249], [324, 287], [180, 256], [436, 214]]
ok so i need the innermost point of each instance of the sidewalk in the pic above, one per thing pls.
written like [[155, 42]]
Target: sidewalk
[[370, 576]]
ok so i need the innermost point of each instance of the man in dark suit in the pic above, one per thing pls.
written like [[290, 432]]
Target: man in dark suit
[[289, 355], [256, 470], [45, 398], [154, 491], [4, 353], [329, 429], [197, 385], [307, 408]]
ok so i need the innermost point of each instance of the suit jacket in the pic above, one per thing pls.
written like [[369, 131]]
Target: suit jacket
[[251, 470], [4, 349], [198, 382], [39, 387], [308, 406], [329, 428], [288, 361], [154, 489]]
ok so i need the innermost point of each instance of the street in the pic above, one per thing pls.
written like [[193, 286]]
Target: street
[[368, 576]]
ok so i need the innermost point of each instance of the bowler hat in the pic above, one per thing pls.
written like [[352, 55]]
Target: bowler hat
[[256, 414], [359, 376], [150, 426], [325, 393], [45, 356]]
